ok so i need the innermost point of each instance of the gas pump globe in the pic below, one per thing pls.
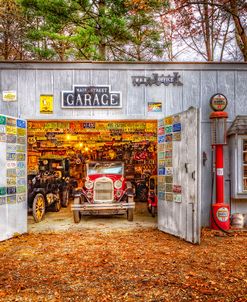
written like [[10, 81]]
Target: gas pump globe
[[220, 215]]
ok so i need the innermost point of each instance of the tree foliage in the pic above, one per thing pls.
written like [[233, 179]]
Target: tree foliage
[[12, 31], [93, 30], [211, 27], [136, 30]]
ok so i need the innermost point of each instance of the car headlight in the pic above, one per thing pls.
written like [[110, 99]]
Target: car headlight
[[89, 184], [118, 184]]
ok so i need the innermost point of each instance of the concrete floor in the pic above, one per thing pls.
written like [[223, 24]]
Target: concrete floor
[[63, 221]]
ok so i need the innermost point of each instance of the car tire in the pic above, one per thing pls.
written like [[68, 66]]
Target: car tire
[[38, 207], [153, 210], [130, 214], [142, 193], [76, 213], [65, 198], [57, 206]]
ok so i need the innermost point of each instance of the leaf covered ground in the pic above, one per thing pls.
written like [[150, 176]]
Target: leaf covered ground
[[127, 265]]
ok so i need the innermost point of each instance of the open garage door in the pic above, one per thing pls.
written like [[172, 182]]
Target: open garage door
[[179, 176], [61, 150], [13, 186]]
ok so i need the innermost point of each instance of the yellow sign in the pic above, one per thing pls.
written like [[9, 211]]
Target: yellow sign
[[168, 120], [46, 103], [11, 130]]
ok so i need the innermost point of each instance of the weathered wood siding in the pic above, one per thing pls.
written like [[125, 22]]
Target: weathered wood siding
[[200, 82]]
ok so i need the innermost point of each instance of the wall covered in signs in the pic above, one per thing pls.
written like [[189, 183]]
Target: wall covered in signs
[[178, 171], [13, 181], [136, 91]]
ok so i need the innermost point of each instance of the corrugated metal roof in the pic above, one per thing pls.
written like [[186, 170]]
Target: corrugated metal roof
[[238, 126]]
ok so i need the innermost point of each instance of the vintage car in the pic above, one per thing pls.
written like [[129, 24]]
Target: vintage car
[[105, 191], [152, 200], [49, 188]]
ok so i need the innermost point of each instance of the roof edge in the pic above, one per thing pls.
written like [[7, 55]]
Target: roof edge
[[121, 62]]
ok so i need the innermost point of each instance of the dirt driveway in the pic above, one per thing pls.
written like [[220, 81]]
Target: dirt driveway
[[63, 220], [121, 264]]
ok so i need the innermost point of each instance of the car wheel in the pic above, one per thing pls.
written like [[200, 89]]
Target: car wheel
[[57, 206], [130, 214], [76, 213], [153, 211], [38, 207], [142, 193], [65, 198]]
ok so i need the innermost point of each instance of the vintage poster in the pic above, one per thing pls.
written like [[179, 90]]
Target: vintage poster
[[46, 103]]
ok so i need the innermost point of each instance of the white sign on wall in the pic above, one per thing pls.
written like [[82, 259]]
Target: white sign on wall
[[9, 96]]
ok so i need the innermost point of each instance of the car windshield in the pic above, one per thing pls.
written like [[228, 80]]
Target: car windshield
[[105, 168]]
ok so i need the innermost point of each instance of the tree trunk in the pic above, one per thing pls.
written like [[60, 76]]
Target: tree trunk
[[102, 45], [241, 36], [207, 32]]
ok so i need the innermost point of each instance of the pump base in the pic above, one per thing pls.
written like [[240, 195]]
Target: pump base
[[221, 217]]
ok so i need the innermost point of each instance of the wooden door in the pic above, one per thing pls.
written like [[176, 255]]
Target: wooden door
[[179, 176]]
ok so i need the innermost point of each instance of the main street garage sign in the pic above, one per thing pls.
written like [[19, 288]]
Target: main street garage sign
[[85, 96]]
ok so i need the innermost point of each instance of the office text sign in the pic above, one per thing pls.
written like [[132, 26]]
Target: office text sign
[[99, 96]]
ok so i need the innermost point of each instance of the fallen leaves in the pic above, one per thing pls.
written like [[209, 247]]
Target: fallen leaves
[[139, 265]]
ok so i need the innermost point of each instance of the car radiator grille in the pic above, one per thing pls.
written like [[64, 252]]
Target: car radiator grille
[[103, 191]]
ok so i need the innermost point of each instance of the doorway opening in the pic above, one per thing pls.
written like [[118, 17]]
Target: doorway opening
[[61, 149]]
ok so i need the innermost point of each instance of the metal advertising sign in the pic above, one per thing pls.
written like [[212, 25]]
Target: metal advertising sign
[[46, 103], [9, 96], [11, 121], [84, 96], [177, 197], [11, 156], [169, 196], [157, 80], [11, 199], [11, 138], [11, 190], [2, 137], [21, 198], [176, 127], [154, 107], [3, 200], [218, 102], [2, 128], [2, 120], [177, 189], [161, 139]]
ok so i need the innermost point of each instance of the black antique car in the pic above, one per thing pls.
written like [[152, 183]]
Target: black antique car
[[50, 188]]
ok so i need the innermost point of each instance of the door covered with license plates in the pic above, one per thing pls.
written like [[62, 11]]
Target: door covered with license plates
[[179, 176], [13, 180]]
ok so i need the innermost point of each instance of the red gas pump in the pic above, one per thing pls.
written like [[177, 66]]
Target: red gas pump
[[220, 215]]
